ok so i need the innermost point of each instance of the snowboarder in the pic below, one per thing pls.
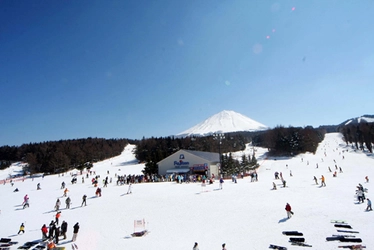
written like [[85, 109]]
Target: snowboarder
[[58, 204], [196, 246], [84, 200], [68, 202], [323, 184], [288, 209], [21, 229], [44, 232], [64, 229], [368, 208], [75, 231]]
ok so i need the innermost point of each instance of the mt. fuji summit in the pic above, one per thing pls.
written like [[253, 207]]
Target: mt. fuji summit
[[224, 122]]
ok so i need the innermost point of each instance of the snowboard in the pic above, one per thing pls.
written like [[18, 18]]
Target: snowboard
[[301, 244], [347, 231], [277, 247], [350, 240], [353, 247], [297, 239], [292, 233], [343, 225]]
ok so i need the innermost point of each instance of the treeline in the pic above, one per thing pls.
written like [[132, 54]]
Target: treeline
[[361, 135], [61, 156], [290, 141]]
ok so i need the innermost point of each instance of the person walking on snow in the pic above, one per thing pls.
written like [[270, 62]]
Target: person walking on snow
[[368, 208], [57, 216], [75, 231], [44, 232], [288, 209], [58, 204], [221, 181], [68, 202], [64, 229], [21, 229]]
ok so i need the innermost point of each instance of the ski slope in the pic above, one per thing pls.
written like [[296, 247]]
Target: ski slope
[[245, 215]]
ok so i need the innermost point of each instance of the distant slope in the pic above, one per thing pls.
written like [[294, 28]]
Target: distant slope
[[357, 120], [224, 122]]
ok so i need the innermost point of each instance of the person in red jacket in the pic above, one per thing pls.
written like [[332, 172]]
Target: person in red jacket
[[44, 232], [288, 209]]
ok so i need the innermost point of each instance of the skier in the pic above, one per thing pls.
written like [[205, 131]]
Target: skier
[[98, 192], [21, 229], [62, 185], [323, 184], [57, 216], [274, 186], [221, 181], [315, 179], [367, 179], [25, 199], [129, 191], [26, 203], [64, 229], [38, 186], [66, 192], [196, 246], [84, 200], [368, 208], [44, 232], [284, 183], [224, 246], [288, 209], [75, 231], [58, 204], [68, 202]]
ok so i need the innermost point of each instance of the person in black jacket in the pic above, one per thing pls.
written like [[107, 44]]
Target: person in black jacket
[[64, 229], [75, 231]]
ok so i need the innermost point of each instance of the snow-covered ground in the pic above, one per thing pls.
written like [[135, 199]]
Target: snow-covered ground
[[246, 215]]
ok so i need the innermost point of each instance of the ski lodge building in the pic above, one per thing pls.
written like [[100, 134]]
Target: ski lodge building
[[190, 162]]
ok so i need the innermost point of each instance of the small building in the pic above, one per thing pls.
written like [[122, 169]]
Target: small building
[[190, 162]]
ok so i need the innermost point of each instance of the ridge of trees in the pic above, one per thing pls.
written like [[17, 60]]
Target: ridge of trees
[[61, 156], [360, 135]]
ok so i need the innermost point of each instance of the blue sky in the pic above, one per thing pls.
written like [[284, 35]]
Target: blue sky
[[128, 69]]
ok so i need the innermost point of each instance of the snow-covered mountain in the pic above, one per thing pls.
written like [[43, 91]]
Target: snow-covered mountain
[[224, 122], [364, 118]]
